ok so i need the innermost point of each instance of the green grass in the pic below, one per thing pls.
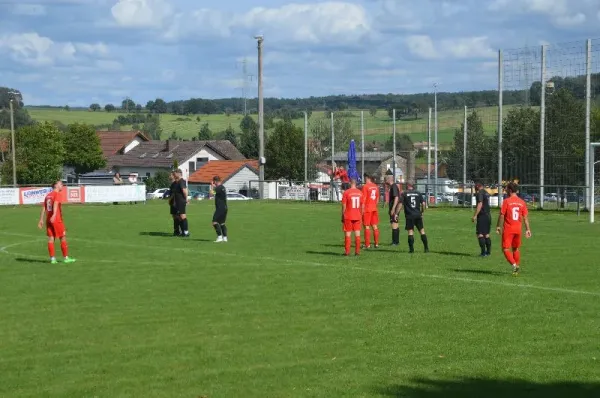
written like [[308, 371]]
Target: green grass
[[276, 312], [377, 128]]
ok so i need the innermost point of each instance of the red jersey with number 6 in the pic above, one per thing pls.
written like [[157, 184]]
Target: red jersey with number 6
[[52, 204], [353, 199], [513, 210]]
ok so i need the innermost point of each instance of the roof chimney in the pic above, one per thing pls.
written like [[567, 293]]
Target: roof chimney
[[168, 145]]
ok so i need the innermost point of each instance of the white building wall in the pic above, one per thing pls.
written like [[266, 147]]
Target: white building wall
[[242, 180]]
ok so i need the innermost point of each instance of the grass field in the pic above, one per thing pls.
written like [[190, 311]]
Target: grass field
[[377, 128], [276, 312]]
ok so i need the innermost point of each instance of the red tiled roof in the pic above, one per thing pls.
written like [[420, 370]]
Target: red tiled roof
[[113, 141], [225, 169]]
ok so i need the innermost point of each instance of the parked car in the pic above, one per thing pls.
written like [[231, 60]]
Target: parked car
[[236, 196], [156, 194], [199, 196]]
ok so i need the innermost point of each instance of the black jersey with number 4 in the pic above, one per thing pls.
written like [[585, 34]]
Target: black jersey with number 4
[[483, 197], [177, 191], [411, 201], [220, 197]]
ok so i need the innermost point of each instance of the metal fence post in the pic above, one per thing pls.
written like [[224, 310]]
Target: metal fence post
[[332, 156], [465, 155], [500, 122], [588, 110], [543, 128]]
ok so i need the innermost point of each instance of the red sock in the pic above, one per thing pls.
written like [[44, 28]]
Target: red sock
[[509, 256], [517, 256], [376, 235], [367, 237], [347, 244], [64, 248], [51, 250], [357, 244]]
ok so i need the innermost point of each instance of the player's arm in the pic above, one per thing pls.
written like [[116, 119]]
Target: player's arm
[[43, 213], [478, 208], [527, 227], [343, 207], [500, 223], [423, 205]]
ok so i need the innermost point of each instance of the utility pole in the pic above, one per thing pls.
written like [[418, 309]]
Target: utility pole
[[261, 124], [12, 139], [435, 132]]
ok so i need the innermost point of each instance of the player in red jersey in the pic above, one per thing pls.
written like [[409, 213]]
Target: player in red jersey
[[352, 204], [514, 211], [370, 193], [55, 227]]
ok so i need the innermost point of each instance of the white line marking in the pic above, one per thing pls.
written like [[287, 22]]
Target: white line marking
[[340, 266]]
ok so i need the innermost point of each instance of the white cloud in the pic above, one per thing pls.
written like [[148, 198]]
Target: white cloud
[[561, 12], [31, 49], [33, 10], [141, 13], [396, 14], [459, 48]]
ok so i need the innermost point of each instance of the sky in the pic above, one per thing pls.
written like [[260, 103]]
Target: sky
[[78, 52]]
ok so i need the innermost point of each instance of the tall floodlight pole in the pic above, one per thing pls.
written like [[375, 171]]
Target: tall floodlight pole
[[543, 126], [362, 145], [435, 131], [261, 124], [332, 155], [500, 123], [465, 130], [394, 143], [428, 153], [12, 138], [305, 147]]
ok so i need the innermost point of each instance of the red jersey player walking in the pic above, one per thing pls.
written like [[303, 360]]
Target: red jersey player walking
[[352, 203], [370, 193], [514, 211], [55, 228]]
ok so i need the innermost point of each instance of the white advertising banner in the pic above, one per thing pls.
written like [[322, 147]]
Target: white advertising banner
[[34, 196], [115, 193], [9, 196]]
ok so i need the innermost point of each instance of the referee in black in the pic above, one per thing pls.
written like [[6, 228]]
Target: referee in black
[[172, 209], [180, 199], [394, 206], [220, 214], [483, 220]]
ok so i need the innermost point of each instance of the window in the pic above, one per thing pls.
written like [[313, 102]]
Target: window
[[147, 175], [192, 167]]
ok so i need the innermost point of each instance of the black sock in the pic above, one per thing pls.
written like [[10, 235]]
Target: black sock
[[396, 236], [224, 230], [218, 229], [176, 229], [184, 225], [411, 243], [424, 240], [482, 244], [488, 245]]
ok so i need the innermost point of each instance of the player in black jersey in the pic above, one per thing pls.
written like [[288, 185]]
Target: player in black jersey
[[220, 215], [483, 218], [179, 193], [414, 206], [172, 209], [394, 203]]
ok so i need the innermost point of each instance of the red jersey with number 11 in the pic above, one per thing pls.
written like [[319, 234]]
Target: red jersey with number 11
[[353, 200], [513, 210]]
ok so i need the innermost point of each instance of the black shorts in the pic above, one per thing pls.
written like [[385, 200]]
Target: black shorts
[[173, 210], [220, 216], [484, 224], [414, 223], [179, 207]]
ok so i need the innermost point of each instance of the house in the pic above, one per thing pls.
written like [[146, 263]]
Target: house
[[148, 157], [236, 175], [113, 142], [377, 163], [421, 171]]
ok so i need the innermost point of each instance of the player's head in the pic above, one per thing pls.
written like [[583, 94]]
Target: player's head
[[172, 176], [353, 183], [478, 187], [57, 186], [178, 174], [368, 178], [512, 188], [410, 185], [389, 177], [216, 180]]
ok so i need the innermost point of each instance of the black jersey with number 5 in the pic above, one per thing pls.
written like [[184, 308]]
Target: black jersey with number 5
[[411, 201]]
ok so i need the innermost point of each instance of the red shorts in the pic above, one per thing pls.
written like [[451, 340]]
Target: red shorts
[[370, 218], [351, 225], [56, 230], [511, 240]]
